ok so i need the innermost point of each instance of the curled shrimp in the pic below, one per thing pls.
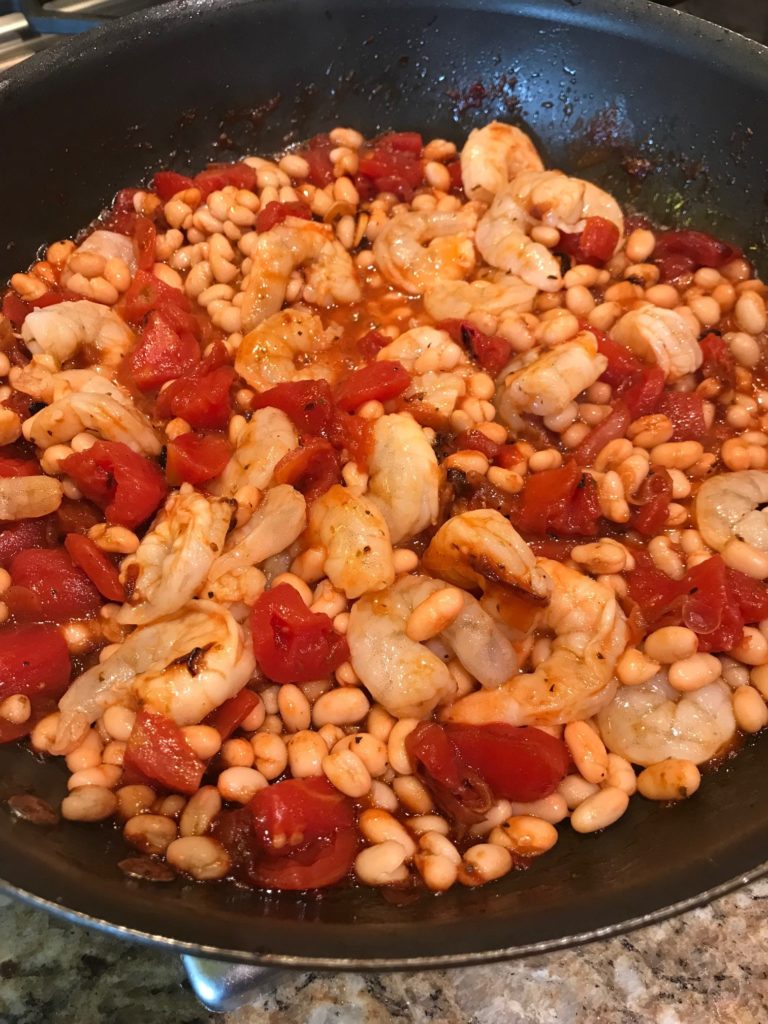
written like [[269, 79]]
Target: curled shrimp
[[355, 536], [37, 381], [183, 666], [405, 676], [577, 678], [111, 246], [492, 156], [272, 352], [732, 507], [497, 296], [649, 723], [416, 248], [262, 442], [174, 556], [277, 522], [662, 337], [64, 329], [404, 477], [99, 414], [547, 383], [424, 348], [437, 392], [330, 274]]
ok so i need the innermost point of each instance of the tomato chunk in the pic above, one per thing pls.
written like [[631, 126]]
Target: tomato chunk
[[144, 235], [16, 308], [34, 660], [196, 458], [23, 534], [167, 183], [476, 441], [393, 163], [218, 176], [307, 403], [595, 244], [651, 508], [147, 293], [312, 468], [518, 763], [492, 352], [96, 566], [291, 643], [686, 411], [371, 343], [460, 791], [127, 486], [306, 808], [46, 586], [680, 252], [275, 213], [324, 863], [642, 392], [162, 355], [319, 160], [157, 751], [613, 426], [718, 359], [560, 501], [375, 382], [229, 715]]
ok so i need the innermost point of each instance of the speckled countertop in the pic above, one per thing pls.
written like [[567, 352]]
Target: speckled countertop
[[707, 967]]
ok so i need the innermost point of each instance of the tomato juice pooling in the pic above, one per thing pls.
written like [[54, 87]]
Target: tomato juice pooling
[[375, 511]]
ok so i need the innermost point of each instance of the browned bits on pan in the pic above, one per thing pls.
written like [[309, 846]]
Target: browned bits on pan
[[144, 869], [31, 808]]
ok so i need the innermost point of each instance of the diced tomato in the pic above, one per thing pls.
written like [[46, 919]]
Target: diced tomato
[[622, 365], [96, 566], [637, 385], [613, 426], [18, 467], [352, 435], [642, 392], [718, 361], [291, 643], [311, 468], [595, 244], [77, 516], [34, 660], [393, 163], [167, 183], [517, 763], [16, 308], [121, 217], [218, 176], [560, 501], [229, 715], [309, 808], [163, 354], [492, 352], [126, 485], [476, 441], [651, 508], [371, 343], [307, 403], [46, 586], [458, 790], [686, 411], [376, 382], [157, 751], [680, 252], [401, 142], [319, 160], [144, 235], [508, 456], [275, 213], [454, 169], [328, 861], [196, 458], [147, 293], [25, 533], [202, 399]]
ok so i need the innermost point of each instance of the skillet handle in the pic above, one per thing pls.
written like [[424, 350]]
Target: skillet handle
[[224, 986]]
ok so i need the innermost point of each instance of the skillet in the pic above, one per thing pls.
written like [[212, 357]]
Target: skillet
[[664, 110]]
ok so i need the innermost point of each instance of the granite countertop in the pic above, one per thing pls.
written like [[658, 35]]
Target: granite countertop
[[708, 967]]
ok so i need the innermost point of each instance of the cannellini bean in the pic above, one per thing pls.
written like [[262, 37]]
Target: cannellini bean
[[525, 835], [199, 856], [419, 824], [677, 454], [382, 796], [345, 706], [404, 560], [752, 649], [621, 774], [270, 754], [552, 808], [133, 800], [294, 708], [671, 779], [671, 643], [150, 833], [330, 735], [382, 864], [750, 313], [345, 771], [601, 810], [379, 826], [16, 709], [371, 751], [118, 722], [438, 873], [89, 803], [87, 754], [603, 556], [759, 679], [237, 753], [634, 667], [202, 807], [413, 794], [587, 750], [435, 613], [575, 789], [106, 775], [240, 784], [204, 740], [749, 709], [483, 863], [694, 672], [396, 752], [380, 723], [171, 806]]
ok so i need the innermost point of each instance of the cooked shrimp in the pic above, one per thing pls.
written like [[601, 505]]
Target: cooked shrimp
[[331, 277], [277, 522], [173, 559], [661, 337], [272, 352], [100, 414], [111, 246], [415, 249], [261, 444], [437, 391], [476, 548], [576, 679], [63, 329], [355, 535], [37, 381], [492, 156], [404, 478], [502, 242], [497, 296], [545, 385], [732, 506], [183, 666], [406, 677], [424, 348], [649, 723]]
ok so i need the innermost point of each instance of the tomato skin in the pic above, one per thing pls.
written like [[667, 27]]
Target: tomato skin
[[309, 807], [642, 393], [275, 213], [292, 644], [46, 586], [613, 426], [196, 458], [307, 403], [622, 365], [228, 716], [458, 790], [651, 508], [492, 352], [560, 501], [144, 235], [157, 751], [34, 660], [311, 468], [96, 566], [476, 441], [76, 517], [163, 354], [167, 183], [126, 485], [518, 763], [594, 245], [376, 382], [330, 861], [680, 252], [718, 359]]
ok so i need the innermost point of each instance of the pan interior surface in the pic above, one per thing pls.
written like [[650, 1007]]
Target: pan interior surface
[[664, 111]]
